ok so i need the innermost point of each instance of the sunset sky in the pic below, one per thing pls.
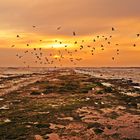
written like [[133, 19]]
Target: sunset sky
[[87, 18]]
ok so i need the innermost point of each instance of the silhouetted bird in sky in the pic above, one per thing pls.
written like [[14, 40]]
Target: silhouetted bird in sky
[[99, 42], [74, 33], [113, 29], [138, 35], [58, 28]]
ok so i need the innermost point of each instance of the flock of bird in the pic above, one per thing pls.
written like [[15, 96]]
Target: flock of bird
[[40, 58]]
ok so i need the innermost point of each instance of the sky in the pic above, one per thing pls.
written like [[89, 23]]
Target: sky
[[87, 18]]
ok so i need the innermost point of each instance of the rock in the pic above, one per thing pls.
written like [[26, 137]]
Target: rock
[[102, 103], [87, 99], [107, 84], [38, 137], [95, 125], [66, 118], [43, 125], [5, 107], [93, 89], [7, 120], [98, 131], [35, 93], [121, 108], [53, 136], [16, 101], [1, 99], [135, 84], [28, 126], [138, 105]]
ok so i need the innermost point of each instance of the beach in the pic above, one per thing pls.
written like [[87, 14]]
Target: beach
[[69, 103]]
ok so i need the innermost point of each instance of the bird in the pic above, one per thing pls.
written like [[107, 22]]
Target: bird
[[13, 46], [74, 33], [113, 58], [17, 36], [58, 28], [113, 29], [138, 35], [26, 52], [34, 26]]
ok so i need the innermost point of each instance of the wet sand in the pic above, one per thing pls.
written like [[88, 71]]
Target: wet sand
[[65, 105]]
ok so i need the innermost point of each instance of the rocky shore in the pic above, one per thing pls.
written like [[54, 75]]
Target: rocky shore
[[66, 105]]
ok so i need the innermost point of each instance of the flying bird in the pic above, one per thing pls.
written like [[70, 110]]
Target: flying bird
[[138, 35], [113, 29], [74, 33], [58, 28], [13, 46]]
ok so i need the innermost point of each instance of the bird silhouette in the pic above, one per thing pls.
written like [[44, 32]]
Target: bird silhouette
[[74, 34]]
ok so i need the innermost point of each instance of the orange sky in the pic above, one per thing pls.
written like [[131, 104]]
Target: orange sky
[[88, 18]]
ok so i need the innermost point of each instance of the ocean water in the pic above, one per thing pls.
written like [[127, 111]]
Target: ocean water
[[113, 73], [127, 73]]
